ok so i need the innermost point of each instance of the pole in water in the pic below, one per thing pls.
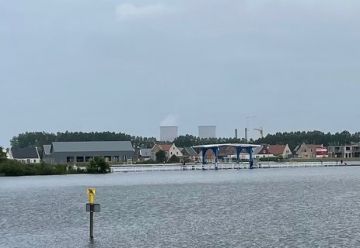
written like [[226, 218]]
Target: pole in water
[[91, 225], [92, 208]]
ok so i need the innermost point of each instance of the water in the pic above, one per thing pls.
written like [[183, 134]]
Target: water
[[303, 207]]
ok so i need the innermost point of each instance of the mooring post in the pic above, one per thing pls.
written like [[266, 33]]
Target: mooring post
[[92, 208]]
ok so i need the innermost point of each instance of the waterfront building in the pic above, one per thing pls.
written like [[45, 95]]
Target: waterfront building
[[169, 149], [345, 151], [189, 154], [309, 151], [28, 155], [81, 152]]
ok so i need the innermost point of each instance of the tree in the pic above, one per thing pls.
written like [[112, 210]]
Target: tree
[[173, 160], [98, 165], [160, 156], [2, 153]]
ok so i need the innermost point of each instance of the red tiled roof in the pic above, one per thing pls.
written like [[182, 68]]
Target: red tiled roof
[[277, 149], [165, 147], [264, 150]]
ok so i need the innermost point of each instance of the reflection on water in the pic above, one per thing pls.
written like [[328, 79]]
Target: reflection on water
[[305, 207]]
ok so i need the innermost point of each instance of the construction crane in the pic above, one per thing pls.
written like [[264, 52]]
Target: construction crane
[[261, 131]]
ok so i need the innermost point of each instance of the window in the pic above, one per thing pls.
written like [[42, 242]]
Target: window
[[80, 159], [70, 159]]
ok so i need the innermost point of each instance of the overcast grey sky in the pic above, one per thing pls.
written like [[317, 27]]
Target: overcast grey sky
[[111, 65]]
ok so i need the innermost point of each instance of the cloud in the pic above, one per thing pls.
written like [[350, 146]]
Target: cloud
[[130, 11], [170, 120]]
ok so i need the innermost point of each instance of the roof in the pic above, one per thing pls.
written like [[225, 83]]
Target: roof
[[145, 152], [308, 146], [189, 151], [258, 149], [93, 146], [165, 147], [47, 149], [264, 150], [277, 149], [24, 153]]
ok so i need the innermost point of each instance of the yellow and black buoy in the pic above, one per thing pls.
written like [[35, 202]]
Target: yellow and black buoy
[[92, 208]]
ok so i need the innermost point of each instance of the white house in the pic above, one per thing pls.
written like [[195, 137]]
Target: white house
[[169, 149], [29, 155]]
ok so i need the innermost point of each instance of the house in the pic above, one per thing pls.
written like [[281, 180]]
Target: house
[[263, 152], [281, 151], [308, 151], [145, 154], [346, 151], [28, 155], [169, 149], [189, 154], [46, 152], [80, 152], [225, 154]]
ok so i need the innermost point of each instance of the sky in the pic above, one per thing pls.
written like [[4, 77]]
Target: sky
[[131, 66]]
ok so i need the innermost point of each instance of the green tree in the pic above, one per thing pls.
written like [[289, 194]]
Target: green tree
[[2, 153], [173, 160], [98, 165], [160, 156]]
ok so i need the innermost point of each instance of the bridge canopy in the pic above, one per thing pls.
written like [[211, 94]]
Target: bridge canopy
[[222, 145]]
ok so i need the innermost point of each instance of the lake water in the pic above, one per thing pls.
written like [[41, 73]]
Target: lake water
[[302, 207]]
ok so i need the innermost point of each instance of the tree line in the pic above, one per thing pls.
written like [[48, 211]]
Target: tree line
[[38, 139], [294, 139], [312, 137]]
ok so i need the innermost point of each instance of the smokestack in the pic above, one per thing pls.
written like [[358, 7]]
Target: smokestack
[[236, 133], [246, 134]]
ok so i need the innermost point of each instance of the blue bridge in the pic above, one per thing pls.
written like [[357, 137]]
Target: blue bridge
[[215, 148]]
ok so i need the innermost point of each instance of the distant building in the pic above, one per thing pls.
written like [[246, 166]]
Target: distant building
[[168, 133], [81, 152], [308, 151], [28, 155], [207, 132], [346, 151]]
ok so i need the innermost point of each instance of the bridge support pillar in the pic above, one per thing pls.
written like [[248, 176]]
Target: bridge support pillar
[[238, 151], [203, 153], [251, 159], [216, 153]]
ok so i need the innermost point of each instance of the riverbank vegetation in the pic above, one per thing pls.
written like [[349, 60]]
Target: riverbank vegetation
[[15, 168]]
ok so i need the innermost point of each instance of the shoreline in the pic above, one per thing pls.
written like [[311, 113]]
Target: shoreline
[[226, 166]]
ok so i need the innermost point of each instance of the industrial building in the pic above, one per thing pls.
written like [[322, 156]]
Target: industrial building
[[168, 133], [207, 132], [81, 152]]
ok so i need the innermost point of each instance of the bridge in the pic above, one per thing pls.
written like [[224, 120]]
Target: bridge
[[215, 148]]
